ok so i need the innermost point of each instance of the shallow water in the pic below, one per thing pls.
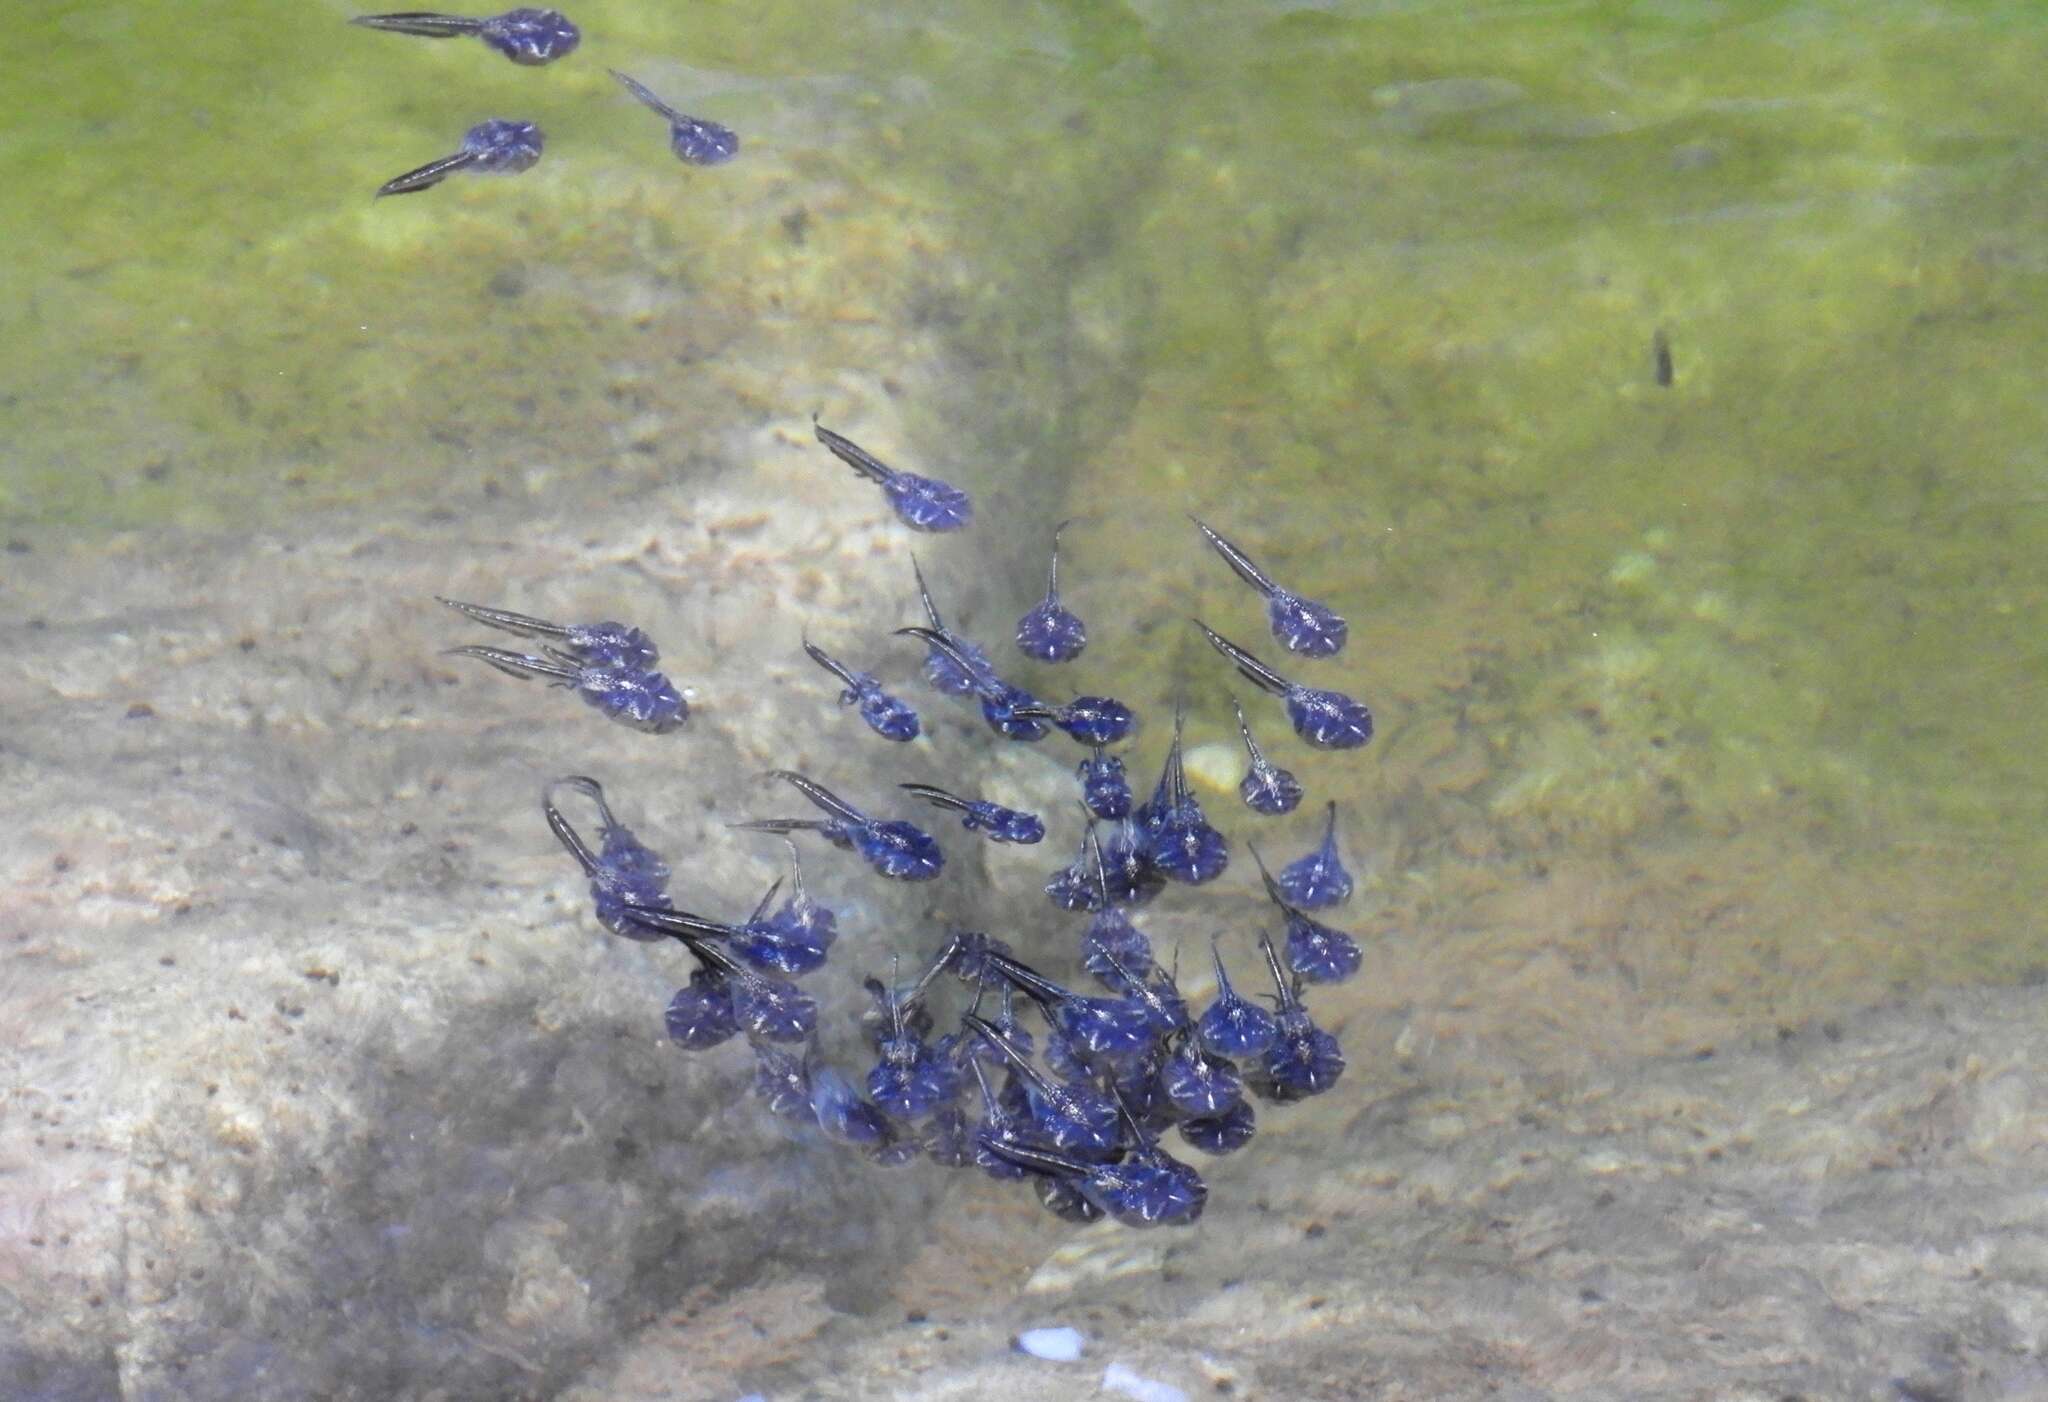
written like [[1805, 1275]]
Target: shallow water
[[1710, 710]]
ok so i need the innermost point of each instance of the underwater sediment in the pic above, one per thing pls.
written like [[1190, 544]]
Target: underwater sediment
[[323, 1081]]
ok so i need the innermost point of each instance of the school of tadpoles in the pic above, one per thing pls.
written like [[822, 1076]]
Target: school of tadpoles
[[1078, 1105]]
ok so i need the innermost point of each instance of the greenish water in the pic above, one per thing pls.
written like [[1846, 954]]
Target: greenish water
[[1377, 282], [1710, 704]]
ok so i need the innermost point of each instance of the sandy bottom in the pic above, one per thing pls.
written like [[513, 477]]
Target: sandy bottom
[[319, 1081]]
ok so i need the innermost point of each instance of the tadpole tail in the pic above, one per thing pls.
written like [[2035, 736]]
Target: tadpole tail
[[924, 595], [1028, 981], [817, 793], [1239, 562], [1244, 728], [1043, 1162], [937, 797], [1273, 891], [645, 96], [518, 664], [565, 833], [1020, 1063], [427, 176], [828, 662], [853, 455], [1248, 666], [522, 624], [423, 23], [774, 888], [677, 922], [1285, 986], [943, 643]]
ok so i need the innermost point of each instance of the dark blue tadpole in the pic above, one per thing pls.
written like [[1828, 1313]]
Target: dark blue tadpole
[[697, 141], [1106, 1029], [996, 1129], [966, 955], [1145, 1188], [1198, 1084], [605, 644], [633, 696], [1066, 1116], [1010, 711], [1134, 879], [802, 919], [885, 715], [1158, 1191], [1112, 939], [1065, 1058], [1105, 789], [895, 849], [1142, 1187], [1118, 872], [700, 1015], [782, 1082], [496, 147], [1051, 632], [1092, 720], [1318, 880], [921, 503], [1266, 787], [1153, 989], [1136, 1085], [796, 938], [991, 820], [1182, 844], [1329, 720], [969, 1048], [1111, 946], [1315, 952], [846, 1118], [1300, 625], [1303, 1060], [910, 1079], [941, 671], [773, 1008], [623, 872], [1074, 887], [1233, 1026], [762, 1005], [1221, 1134], [528, 37]]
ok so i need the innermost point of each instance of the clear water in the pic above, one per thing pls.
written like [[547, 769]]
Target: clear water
[[1706, 705]]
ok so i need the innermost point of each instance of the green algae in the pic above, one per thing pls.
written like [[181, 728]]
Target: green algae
[[1789, 591], [213, 323], [1373, 285]]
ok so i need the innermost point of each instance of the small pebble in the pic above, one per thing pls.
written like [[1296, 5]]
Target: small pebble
[[1061, 1345], [1121, 1380], [1215, 766]]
